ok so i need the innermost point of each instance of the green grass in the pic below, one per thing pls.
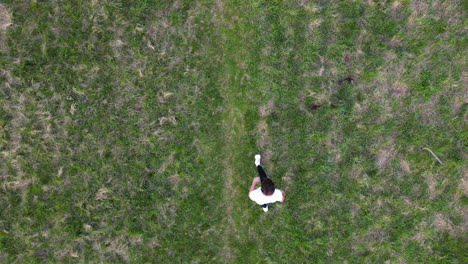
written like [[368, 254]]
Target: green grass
[[128, 130]]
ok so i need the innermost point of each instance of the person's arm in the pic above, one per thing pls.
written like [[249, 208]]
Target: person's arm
[[284, 196], [254, 182]]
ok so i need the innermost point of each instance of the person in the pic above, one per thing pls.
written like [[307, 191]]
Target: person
[[267, 193]]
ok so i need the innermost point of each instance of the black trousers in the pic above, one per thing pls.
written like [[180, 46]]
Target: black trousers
[[263, 176]]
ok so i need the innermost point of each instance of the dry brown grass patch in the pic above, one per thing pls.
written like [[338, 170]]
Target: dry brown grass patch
[[371, 3], [5, 22], [458, 102], [417, 7], [359, 40], [102, 193], [429, 115], [355, 209], [396, 7], [372, 238], [287, 177], [169, 160], [163, 135], [119, 246], [266, 109], [20, 184], [174, 179], [356, 172], [399, 89], [385, 156], [389, 55], [404, 165], [5, 18], [315, 24], [167, 213], [449, 11], [441, 223], [171, 119], [377, 187], [464, 181], [457, 91], [266, 156], [431, 182], [420, 236]]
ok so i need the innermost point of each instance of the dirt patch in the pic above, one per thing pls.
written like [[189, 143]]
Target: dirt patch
[[266, 109], [266, 156], [311, 102], [347, 79], [264, 142], [264, 139], [347, 58], [314, 106]]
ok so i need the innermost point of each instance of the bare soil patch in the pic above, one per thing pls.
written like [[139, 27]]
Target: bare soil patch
[[264, 139]]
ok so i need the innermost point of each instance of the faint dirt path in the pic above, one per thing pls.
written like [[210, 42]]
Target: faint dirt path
[[236, 101]]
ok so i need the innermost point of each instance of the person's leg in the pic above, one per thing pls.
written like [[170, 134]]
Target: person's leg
[[265, 207], [262, 173]]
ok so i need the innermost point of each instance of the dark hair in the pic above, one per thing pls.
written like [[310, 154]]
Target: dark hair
[[268, 187]]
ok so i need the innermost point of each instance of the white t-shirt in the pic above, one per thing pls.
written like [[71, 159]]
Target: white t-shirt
[[258, 197]]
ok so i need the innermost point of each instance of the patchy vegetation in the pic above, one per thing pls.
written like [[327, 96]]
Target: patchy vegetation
[[128, 130]]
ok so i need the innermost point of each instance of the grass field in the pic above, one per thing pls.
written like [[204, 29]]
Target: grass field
[[128, 130]]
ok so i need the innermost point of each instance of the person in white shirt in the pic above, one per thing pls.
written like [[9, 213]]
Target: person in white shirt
[[266, 193]]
